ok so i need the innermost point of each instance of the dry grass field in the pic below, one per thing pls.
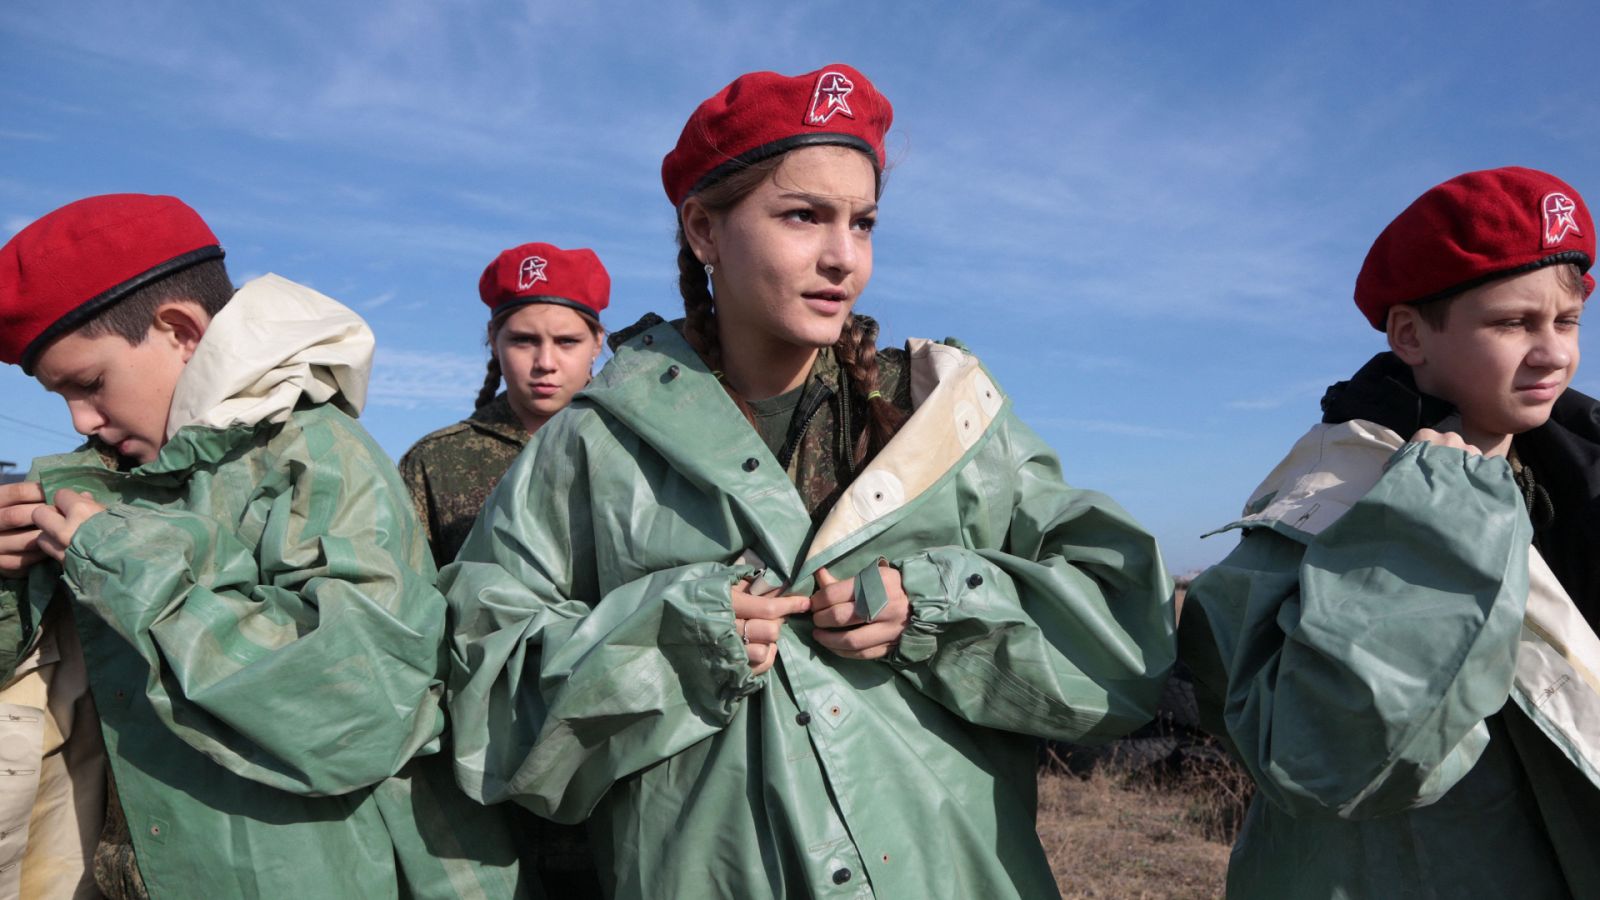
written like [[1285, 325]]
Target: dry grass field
[[1121, 834]]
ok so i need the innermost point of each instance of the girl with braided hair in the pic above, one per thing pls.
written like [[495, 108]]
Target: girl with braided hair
[[777, 611], [544, 336]]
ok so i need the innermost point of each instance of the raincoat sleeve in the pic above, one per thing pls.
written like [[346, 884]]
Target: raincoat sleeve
[[1353, 673], [561, 685], [307, 658], [1055, 620]]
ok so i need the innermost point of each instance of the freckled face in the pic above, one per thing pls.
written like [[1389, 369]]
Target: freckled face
[[1507, 351], [546, 354], [117, 392], [793, 256]]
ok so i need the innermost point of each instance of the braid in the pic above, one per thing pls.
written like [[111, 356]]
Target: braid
[[700, 319], [491, 378], [491, 382], [857, 353]]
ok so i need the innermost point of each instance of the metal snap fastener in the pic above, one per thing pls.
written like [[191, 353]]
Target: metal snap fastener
[[803, 719], [974, 580], [672, 372], [751, 464], [648, 339], [840, 876]]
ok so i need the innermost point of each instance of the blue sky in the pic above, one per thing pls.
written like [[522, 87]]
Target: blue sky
[[1145, 217]]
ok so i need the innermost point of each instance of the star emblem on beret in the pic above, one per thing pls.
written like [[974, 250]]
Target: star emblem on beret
[[1560, 218], [531, 272], [830, 96]]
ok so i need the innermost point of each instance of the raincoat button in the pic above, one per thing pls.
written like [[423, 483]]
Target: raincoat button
[[974, 580], [648, 340], [751, 464], [840, 876], [672, 372], [803, 719]]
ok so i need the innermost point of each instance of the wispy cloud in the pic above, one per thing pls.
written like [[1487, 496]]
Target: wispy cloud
[[379, 300], [7, 134], [1109, 426], [1294, 392], [417, 378]]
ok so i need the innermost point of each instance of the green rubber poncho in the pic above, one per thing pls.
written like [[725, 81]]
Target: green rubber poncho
[[1405, 680], [597, 673], [262, 633]]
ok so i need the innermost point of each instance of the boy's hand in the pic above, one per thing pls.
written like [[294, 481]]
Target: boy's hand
[[1444, 439], [19, 539], [833, 612], [57, 524]]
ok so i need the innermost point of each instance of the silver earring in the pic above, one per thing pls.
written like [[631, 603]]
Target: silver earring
[[709, 269]]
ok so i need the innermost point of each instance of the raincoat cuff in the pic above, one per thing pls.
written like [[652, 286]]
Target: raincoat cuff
[[727, 656], [94, 533], [926, 582], [1422, 453], [119, 546]]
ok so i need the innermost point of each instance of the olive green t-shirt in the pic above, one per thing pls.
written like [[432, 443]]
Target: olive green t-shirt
[[775, 415]]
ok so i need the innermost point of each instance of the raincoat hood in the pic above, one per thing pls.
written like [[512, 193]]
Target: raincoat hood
[[276, 344]]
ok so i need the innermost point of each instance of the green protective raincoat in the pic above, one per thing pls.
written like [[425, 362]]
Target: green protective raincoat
[[262, 634], [597, 673], [1407, 683]]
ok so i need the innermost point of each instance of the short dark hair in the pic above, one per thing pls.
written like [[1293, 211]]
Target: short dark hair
[[1436, 312], [204, 284]]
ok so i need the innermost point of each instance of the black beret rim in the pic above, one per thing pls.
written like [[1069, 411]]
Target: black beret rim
[[83, 312], [782, 145], [550, 299], [1580, 258]]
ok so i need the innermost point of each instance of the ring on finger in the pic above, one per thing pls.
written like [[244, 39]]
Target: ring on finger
[[744, 629]]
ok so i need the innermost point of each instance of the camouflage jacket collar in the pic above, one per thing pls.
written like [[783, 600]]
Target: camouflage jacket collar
[[498, 418]]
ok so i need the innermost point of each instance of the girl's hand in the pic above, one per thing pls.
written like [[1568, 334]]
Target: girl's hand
[[759, 619], [840, 629], [58, 523]]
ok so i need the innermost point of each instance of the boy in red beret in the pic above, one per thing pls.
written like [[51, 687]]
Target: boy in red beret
[[1402, 647], [233, 567]]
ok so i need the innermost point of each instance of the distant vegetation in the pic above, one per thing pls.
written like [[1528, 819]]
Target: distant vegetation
[[1151, 816]]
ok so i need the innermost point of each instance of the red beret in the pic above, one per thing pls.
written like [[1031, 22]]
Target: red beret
[[544, 273], [61, 271], [1472, 229], [763, 114]]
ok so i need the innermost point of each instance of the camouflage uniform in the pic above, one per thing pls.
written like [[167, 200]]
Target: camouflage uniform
[[451, 472]]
